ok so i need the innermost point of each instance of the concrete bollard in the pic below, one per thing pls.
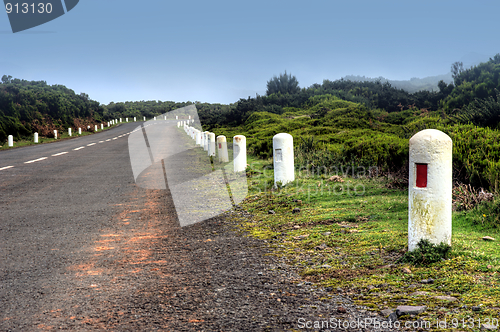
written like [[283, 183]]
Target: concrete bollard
[[69, 131], [205, 141], [222, 147], [240, 153], [211, 144], [36, 137], [95, 128], [144, 118], [198, 137], [155, 118], [120, 119], [164, 117], [126, 119], [79, 131], [55, 134], [108, 124], [102, 126], [177, 117], [430, 188], [178, 124], [11, 140], [189, 118], [284, 170], [134, 119]]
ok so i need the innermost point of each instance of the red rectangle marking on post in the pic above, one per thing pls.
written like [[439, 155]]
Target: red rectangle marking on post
[[422, 175], [220, 145]]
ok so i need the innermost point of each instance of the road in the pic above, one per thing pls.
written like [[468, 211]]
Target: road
[[84, 249]]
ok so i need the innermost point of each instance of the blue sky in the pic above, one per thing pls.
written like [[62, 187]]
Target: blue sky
[[220, 51]]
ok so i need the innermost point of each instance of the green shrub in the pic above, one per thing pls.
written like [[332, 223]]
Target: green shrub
[[426, 253]]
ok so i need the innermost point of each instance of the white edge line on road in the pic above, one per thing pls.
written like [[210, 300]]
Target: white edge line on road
[[6, 167], [108, 140], [101, 141], [81, 147], [58, 154], [90, 144], [32, 161], [115, 138]]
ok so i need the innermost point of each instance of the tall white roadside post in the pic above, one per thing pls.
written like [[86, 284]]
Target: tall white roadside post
[[222, 149], [79, 131], [55, 134], [144, 118], [205, 141], [240, 153], [69, 131], [11, 140], [284, 170], [36, 137], [177, 117], [126, 119], [102, 126], [95, 128], [211, 146], [198, 137], [430, 188], [120, 119], [135, 119]]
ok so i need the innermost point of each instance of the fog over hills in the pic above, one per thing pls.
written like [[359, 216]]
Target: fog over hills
[[413, 85]]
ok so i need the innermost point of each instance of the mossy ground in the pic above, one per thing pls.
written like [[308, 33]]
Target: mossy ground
[[348, 236]]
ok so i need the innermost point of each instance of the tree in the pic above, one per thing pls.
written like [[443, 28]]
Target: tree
[[6, 79], [456, 69], [283, 84]]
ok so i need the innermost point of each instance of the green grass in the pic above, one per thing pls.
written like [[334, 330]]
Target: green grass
[[368, 225]]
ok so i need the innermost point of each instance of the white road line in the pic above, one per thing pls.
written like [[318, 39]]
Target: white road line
[[58, 154], [6, 167], [32, 161], [108, 140], [101, 141], [90, 144], [115, 138], [81, 147]]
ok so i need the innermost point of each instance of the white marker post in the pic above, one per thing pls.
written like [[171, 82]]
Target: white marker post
[[205, 141], [108, 124], [11, 140], [198, 137], [36, 137], [102, 126], [120, 119], [88, 127], [430, 188], [95, 128], [79, 131], [211, 144], [134, 118], [55, 134], [222, 147], [144, 118], [69, 132], [155, 118], [240, 153], [284, 171], [177, 117], [126, 119]]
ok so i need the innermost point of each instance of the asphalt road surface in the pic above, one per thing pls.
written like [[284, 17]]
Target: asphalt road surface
[[83, 248]]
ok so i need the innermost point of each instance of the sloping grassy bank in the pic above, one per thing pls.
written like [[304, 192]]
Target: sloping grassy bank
[[350, 233]]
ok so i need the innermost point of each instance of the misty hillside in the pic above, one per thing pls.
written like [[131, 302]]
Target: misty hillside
[[429, 83]]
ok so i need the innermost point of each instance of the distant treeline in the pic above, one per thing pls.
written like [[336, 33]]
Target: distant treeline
[[33, 106]]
